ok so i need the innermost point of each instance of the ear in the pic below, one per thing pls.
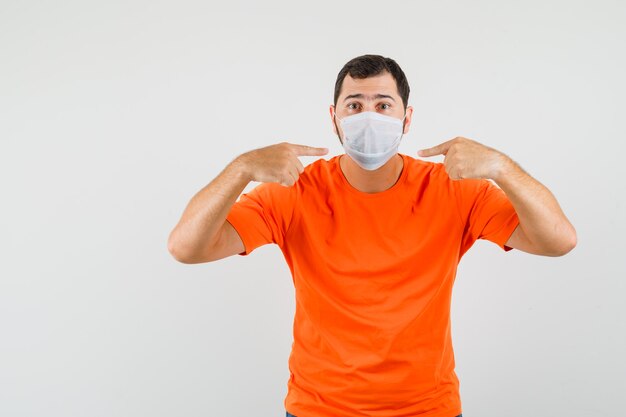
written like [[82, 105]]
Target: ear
[[407, 121]]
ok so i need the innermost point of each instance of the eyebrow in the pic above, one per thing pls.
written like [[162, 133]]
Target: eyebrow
[[372, 97]]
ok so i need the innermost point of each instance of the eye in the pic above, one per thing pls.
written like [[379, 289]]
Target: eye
[[385, 104], [350, 106]]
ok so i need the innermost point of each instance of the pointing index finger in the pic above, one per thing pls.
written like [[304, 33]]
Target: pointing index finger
[[440, 149], [305, 150]]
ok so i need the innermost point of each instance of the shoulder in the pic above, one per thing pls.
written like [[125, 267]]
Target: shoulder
[[434, 175], [427, 173], [419, 166], [318, 172]]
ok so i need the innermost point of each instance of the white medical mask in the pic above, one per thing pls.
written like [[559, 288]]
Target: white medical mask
[[371, 138]]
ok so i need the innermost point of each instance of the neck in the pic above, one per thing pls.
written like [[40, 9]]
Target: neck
[[374, 181]]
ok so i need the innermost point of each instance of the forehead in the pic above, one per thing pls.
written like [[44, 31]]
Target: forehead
[[379, 84]]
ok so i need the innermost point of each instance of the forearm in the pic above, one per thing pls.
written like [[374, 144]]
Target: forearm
[[542, 220], [202, 220]]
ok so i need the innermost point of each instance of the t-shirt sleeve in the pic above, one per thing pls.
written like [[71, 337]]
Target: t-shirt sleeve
[[486, 212], [263, 215]]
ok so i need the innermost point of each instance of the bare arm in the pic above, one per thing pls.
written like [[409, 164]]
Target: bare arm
[[543, 228], [203, 223], [203, 234]]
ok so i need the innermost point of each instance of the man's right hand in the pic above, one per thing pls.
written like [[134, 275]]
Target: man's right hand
[[277, 163]]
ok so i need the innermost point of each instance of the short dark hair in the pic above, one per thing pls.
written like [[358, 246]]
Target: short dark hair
[[371, 65]]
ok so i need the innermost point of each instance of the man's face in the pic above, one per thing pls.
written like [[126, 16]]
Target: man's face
[[378, 93]]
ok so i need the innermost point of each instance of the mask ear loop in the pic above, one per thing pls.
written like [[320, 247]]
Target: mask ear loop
[[337, 127], [403, 119], [402, 133]]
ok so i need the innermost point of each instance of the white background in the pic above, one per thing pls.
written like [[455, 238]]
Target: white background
[[114, 114]]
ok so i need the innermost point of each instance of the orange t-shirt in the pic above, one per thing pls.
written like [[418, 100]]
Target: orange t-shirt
[[373, 276]]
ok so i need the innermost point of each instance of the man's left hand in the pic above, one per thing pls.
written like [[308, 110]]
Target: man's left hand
[[466, 158]]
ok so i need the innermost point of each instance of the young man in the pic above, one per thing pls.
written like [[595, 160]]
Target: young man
[[373, 239]]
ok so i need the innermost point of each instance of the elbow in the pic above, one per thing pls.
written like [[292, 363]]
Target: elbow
[[572, 242], [184, 254], [177, 252], [181, 256], [567, 244]]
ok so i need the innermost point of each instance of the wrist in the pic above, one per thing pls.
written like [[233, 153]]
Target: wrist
[[240, 168], [502, 167]]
